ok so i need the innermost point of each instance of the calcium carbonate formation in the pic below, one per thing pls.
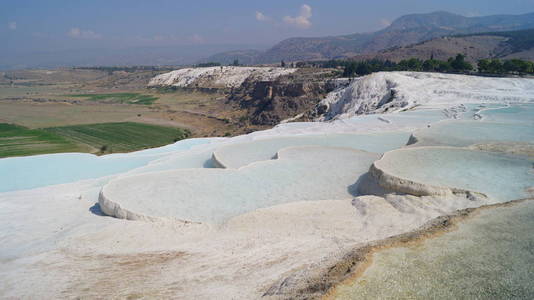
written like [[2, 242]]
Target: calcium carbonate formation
[[217, 77]]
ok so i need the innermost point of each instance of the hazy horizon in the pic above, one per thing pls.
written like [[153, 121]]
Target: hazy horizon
[[47, 34]]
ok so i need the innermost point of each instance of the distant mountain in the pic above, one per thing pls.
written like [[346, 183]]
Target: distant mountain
[[406, 30], [247, 57], [513, 44], [153, 56]]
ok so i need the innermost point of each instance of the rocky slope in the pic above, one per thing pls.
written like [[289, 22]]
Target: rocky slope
[[246, 57], [288, 97], [515, 44], [257, 96], [406, 30]]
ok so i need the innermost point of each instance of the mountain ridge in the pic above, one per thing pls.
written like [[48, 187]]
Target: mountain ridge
[[502, 45], [405, 30]]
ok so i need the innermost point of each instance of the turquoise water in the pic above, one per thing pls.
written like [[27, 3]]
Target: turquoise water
[[200, 158], [465, 133], [490, 256], [42, 170], [19, 173], [401, 119], [242, 154], [501, 177], [214, 195], [517, 113]]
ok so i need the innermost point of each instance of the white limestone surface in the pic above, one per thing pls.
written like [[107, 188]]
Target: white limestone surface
[[306, 173], [221, 77], [466, 133], [236, 155], [451, 171], [56, 243], [396, 91]]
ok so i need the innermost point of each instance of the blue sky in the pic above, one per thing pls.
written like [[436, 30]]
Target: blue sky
[[51, 25]]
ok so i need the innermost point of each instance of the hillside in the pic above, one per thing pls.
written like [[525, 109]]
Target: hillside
[[257, 96], [246, 57], [515, 44], [406, 30], [387, 92]]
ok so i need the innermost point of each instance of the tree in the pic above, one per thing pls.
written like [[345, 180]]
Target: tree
[[236, 62], [511, 66], [412, 64], [444, 66], [283, 64], [104, 148], [208, 64], [484, 66], [350, 69], [517, 66], [496, 67], [363, 68], [459, 64], [431, 65]]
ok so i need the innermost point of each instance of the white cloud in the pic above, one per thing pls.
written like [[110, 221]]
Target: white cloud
[[12, 25], [262, 18], [77, 33], [301, 21]]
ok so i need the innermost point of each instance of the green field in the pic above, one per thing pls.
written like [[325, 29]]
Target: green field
[[20, 141], [120, 137], [97, 138], [124, 98]]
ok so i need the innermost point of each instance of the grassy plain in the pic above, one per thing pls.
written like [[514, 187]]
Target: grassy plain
[[74, 103], [20, 141], [101, 138], [120, 137], [122, 98]]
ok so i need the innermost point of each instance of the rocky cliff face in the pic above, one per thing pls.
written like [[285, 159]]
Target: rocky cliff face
[[256, 97], [271, 102]]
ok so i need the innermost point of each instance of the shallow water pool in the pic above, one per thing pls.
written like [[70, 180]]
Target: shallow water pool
[[242, 154], [488, 257], [517, 113], [501, 177], [465, 133], [19, 173], [214, 195]]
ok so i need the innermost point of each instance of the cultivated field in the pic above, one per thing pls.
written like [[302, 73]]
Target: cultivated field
[[95, 138], [120, 98], [20, 141], [120, 137], [58, 101]]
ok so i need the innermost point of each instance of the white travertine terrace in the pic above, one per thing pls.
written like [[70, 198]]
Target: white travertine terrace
[[59, 230], [396, 91], [308, 173], [453, 171], [218, 77]]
